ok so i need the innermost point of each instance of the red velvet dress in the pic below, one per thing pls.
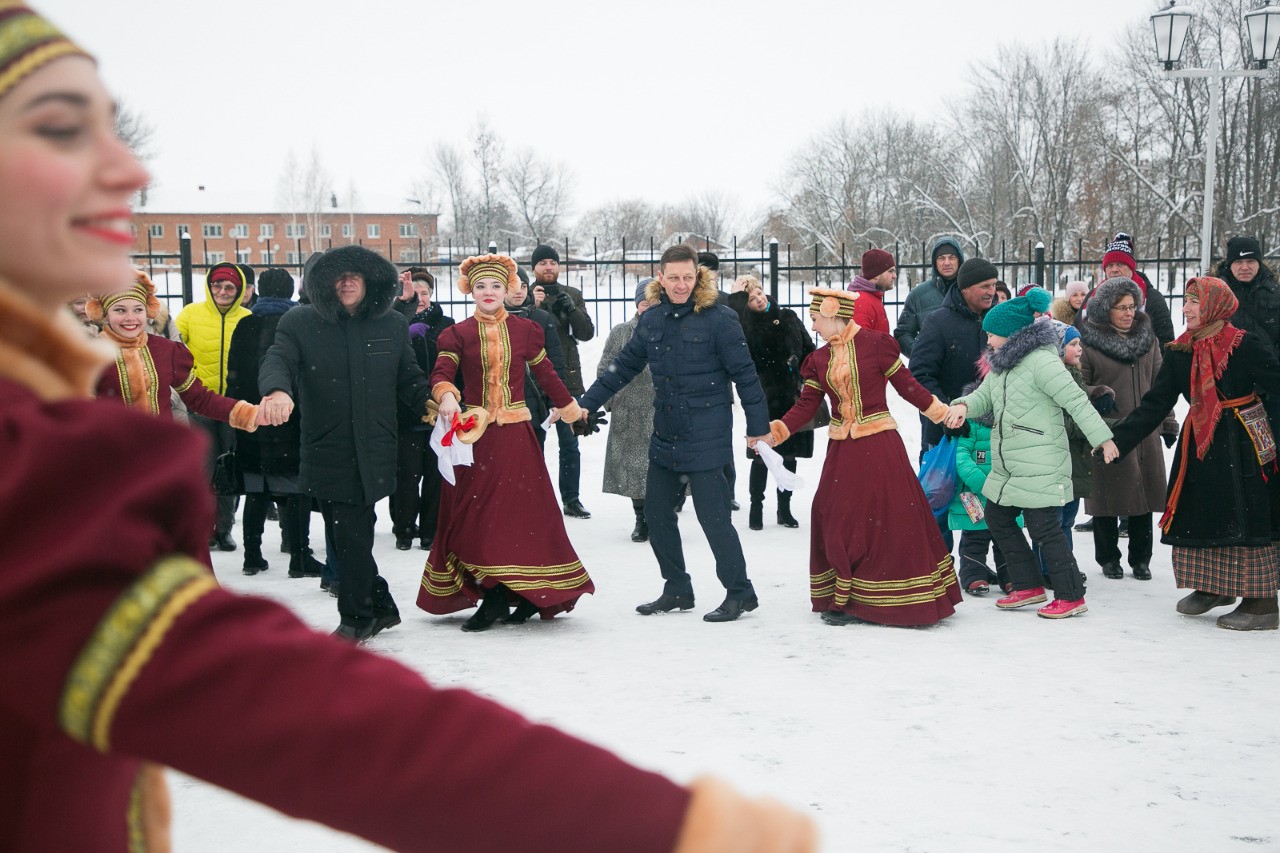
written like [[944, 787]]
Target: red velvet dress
[[501, 523], [118, 648], [875, 549]]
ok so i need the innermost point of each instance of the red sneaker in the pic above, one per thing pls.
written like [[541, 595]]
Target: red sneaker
[[1060, 608], [1021, 598]]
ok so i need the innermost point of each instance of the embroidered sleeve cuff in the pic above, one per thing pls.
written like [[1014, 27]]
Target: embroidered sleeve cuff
[[571, 412], [779, 431], [244, 416], [937, 411], [441, 388]]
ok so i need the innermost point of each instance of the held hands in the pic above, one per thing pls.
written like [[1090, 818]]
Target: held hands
[[753, 440], [1109, 451], [589, 422], [955, 416], [275, 409], [448, 407]]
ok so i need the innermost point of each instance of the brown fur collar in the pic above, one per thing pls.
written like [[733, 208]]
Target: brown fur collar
[[50, 355], [705, 292]]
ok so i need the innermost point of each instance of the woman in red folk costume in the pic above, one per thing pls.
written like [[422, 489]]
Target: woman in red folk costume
[[875, 552], [148, 365], [531, 558]]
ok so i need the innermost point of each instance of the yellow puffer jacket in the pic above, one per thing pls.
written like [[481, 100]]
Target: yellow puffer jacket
[[207, 332]]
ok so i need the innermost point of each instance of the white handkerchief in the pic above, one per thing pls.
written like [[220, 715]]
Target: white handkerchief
[[456, 453], [787, 481], [546, 425]]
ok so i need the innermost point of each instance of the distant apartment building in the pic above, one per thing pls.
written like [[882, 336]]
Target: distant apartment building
[[241, 229]]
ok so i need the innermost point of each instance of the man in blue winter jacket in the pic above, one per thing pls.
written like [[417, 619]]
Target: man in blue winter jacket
[[694, 349]]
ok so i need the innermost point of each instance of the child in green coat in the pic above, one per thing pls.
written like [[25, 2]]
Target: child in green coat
[[1027, 390]]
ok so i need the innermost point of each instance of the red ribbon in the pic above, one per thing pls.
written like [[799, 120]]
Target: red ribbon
[[459, 425]]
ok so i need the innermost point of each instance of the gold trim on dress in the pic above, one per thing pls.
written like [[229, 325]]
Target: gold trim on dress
[[130, 632]]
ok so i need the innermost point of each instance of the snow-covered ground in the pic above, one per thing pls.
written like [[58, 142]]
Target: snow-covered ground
[[1130, 728]]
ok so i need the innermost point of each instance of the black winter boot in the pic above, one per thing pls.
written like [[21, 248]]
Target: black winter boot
[[253, 559], [1253, 614], [641, 531], [755, 518], [1199, 603], [785, 518]]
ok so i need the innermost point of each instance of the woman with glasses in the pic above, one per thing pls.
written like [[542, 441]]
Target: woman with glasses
[[1121, 352]]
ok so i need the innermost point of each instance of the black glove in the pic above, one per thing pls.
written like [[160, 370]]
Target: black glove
[[561, 303], [961, 431], [1106, 404], [1169, 438], [591, 424]]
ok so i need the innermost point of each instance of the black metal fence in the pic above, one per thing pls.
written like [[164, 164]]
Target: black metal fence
[[608, 278]]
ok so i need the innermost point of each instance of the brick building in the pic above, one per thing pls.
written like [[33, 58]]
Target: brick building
[[243, 229]]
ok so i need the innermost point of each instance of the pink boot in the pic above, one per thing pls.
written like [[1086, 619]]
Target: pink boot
[[1021, 598], [1060, 608]]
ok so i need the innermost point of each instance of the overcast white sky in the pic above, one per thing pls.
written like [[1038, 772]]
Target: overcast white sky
[[660, 99]]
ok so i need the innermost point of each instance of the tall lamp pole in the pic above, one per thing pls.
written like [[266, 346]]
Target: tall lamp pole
[[1170, 26]]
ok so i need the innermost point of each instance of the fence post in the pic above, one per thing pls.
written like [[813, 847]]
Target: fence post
[[1040, 263], [184, 255], [773, 269]]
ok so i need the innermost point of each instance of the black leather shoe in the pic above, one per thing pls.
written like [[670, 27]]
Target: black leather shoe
[[665, 604], [404, 543], [354, 633], [1084, 527], [1112, 570], [333, 589], [575, 509], [1142, 572], [493, 608], [225, 542], [731, 609], [734, 506], [427, 543], [835, 617]]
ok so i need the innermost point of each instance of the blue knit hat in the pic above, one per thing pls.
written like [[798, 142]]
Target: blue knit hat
[[1017, 313], [1066, 334]]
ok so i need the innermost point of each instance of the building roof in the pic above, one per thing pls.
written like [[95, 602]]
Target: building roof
[[212, 200]]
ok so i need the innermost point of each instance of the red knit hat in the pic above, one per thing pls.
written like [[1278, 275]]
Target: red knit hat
[[875, 262], [1120, 251]]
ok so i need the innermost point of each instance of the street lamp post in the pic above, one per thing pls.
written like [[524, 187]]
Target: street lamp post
[[1170, 26]]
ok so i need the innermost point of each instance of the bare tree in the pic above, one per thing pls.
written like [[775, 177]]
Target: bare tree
[[538, 192], [302, 192], [630, 222], [138, 133]]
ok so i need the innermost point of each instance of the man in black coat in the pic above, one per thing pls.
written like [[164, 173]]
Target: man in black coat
[[1255, 287], [347, 358], [573, 324], [945, 356], [696, 351]]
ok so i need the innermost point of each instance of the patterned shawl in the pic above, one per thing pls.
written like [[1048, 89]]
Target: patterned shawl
[[1211, 345]]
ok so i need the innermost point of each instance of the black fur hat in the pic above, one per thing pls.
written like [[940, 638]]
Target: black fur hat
[[381, 281], [276, 283]]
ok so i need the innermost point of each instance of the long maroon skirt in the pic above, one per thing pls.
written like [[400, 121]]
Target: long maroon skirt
[[875, 549], [501, 525]]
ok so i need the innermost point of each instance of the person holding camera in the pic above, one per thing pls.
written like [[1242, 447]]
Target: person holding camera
[[574, 324]]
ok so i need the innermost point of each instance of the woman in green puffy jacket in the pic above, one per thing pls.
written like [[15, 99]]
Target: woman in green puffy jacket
[[1028, 389]]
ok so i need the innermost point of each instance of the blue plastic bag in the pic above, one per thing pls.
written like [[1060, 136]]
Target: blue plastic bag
[[938, 475]]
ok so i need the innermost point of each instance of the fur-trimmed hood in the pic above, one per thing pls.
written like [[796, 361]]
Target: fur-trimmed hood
[[1021, 344], [705, 293], [1096, 332], [381, 281]]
